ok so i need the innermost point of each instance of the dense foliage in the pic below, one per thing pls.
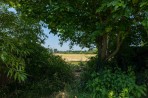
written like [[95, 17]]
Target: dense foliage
[[111, 82], [46, 74], [115, 84], [15, 36]]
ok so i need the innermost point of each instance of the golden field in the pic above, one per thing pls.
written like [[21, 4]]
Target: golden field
[[75, 57]]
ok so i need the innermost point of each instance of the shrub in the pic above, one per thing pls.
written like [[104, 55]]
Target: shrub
[[115, 84], [46, 73]]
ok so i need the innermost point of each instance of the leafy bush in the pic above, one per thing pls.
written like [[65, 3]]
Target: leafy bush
[[46, 73], [15, 36], [115, 84]]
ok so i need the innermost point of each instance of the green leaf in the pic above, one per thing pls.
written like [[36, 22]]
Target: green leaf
[[4, 56], [143, 4], [108, 29], [134, 1]]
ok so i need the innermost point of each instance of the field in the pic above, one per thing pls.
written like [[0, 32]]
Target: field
[[75, 57]]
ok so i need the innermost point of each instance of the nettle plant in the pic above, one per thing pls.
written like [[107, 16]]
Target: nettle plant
[[117, 84]]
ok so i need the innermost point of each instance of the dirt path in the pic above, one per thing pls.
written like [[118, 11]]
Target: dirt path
[[64, 94]]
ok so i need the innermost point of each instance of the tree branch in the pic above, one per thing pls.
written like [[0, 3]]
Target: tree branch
[[119, 42]]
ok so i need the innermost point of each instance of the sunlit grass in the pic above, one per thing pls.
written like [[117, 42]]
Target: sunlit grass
[[75, 58]]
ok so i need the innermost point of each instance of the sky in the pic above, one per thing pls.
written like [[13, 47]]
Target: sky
[[53, 40]]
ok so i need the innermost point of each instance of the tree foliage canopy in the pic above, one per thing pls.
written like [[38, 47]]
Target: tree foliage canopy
[[103, 23]]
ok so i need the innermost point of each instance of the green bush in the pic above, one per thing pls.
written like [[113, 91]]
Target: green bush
[[115, 84], [46, 73]]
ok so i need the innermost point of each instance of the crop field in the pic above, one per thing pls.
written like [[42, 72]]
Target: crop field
[[75, 57]]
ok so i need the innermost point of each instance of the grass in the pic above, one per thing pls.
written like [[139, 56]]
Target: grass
[[76, 58]]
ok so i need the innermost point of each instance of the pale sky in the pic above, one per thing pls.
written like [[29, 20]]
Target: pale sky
[[53, 42]]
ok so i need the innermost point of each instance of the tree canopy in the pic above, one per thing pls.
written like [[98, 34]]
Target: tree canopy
[[101, 23]]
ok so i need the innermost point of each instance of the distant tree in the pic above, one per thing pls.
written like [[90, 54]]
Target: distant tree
[[50, 50], [103, 23], [55, 50]]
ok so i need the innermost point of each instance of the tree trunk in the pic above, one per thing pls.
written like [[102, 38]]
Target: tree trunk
[[101, 43], [102, 46]]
